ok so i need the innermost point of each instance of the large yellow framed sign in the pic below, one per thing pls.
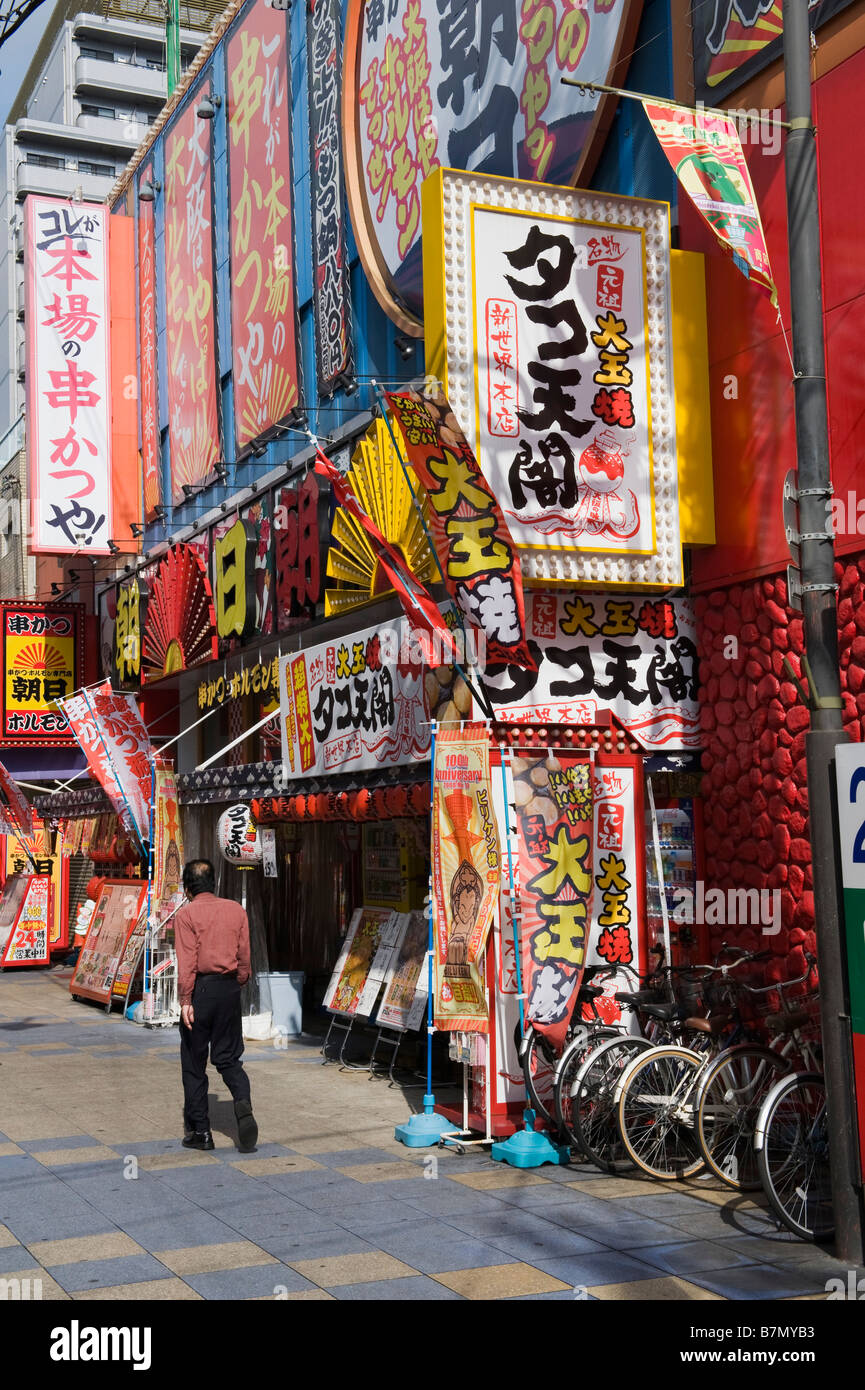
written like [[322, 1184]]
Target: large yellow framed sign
[[565, 390], [43, 658]]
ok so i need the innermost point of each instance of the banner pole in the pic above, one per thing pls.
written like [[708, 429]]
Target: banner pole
[[148, 1007], [505, 753], [424, 1131]]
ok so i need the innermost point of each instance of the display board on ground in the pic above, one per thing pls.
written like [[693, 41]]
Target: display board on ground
[[27, 937], [405, 994], [355, 963], [113, 922]]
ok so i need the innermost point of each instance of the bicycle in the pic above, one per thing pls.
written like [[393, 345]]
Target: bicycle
[[654, 1096], [791, 1140], [732, 1090], [539, 1060], [585, 1081]]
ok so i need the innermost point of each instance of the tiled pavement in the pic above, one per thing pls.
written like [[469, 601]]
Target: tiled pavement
[[99, 1200]]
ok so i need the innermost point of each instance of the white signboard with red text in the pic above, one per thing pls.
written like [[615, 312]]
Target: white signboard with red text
[[68, 381], [629, 653], [355, 702], [567, 398], [27, 943]]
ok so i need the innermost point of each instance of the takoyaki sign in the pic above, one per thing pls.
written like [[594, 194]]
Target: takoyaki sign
[[567, 398], [355, 702]]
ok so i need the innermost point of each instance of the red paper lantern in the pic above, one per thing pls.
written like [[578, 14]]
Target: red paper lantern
[[94, 887], [419, 798], [396, 800], [362, 808], [379, 806], [343, 808]]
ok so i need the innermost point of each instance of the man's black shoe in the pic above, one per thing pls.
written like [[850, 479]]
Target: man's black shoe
[[197, 1140], [247, 1129]]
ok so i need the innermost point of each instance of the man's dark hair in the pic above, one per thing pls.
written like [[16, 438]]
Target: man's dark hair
[[198, 877]]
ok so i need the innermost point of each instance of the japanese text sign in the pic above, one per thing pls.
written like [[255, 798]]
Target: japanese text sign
[[615, 938], [567, 398], [330, 282], [628, 653], [116, 744], [475, 550], [27, 943], [553, 799], [354, 702], [68, 376], [43, 652], [470, 86], [148, 422], [190, 314], [263, 326]]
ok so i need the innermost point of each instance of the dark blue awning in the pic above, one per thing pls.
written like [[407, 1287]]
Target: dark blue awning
[[42, 764]]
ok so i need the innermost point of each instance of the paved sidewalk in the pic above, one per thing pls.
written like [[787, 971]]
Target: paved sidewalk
[[99, 1200]]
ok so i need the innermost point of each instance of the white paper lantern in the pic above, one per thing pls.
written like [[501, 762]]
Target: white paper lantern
[[238, 837]]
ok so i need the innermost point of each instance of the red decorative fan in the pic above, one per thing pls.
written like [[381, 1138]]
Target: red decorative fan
[[181, 622]]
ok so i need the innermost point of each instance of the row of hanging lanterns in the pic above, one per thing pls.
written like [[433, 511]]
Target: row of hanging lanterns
[[380, 803]]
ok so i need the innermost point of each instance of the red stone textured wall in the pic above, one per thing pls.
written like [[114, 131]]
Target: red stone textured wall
[[754, 724]]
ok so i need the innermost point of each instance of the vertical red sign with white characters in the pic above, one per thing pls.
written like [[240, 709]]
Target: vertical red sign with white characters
[[263, 324], [68, 385], [190, 314], [149, 414]]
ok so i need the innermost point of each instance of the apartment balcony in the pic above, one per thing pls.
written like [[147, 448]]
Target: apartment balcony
[[100, 76], [61, 183], [21, 360], [116, 131], [19, 299]]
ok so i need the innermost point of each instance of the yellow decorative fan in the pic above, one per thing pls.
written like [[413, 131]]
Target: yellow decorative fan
[[378, 482]]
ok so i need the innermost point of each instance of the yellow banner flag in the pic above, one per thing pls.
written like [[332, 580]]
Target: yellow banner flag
[[466, 865]]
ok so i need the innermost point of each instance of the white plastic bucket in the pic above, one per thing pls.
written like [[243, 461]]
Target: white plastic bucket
[[283, 990]]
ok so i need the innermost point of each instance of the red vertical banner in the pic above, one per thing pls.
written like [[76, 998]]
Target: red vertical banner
[[554, 800], [190, 315], [263, 315], [148, 405]]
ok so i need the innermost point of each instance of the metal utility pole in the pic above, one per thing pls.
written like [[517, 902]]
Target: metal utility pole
[[172, 43], [820, 621]]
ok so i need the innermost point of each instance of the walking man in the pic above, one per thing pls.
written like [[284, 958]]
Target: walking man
[[212, 940]]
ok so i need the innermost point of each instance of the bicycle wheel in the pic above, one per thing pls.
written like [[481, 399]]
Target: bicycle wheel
[[792, 1145], [728, 1102], [655, 1112], [581, 1045], [539, 1069], [592, 1108]]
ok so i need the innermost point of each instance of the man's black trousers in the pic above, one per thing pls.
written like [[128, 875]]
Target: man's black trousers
[[216, 1025]]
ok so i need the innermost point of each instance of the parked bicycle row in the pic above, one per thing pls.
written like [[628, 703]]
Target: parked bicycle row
[[698, 1075]]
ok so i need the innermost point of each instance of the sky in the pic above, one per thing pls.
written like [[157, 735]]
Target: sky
[[17, 52]]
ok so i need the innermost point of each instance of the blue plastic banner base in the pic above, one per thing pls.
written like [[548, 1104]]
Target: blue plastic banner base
[[423, 1131], [529, 1149]]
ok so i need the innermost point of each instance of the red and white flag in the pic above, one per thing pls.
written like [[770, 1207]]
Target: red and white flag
[[16, 813], [116, 744]]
